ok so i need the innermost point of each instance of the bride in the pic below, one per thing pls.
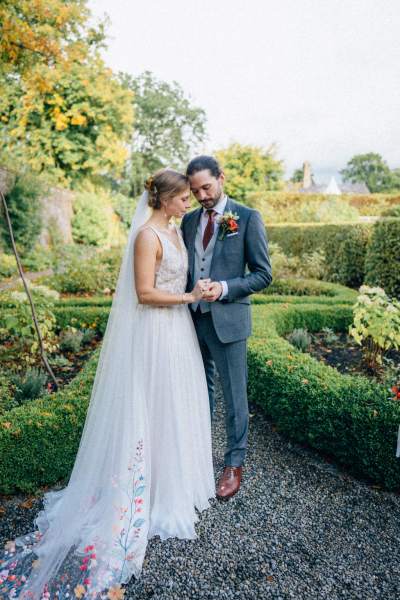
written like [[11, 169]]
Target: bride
[[144, 463]]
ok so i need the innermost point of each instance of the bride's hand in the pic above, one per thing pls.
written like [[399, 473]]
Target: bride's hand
[[200, 289]]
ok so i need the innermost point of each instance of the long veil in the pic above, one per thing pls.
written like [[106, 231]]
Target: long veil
[[92, 534]]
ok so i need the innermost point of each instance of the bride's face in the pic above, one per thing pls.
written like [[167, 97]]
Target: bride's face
[[178, 205]]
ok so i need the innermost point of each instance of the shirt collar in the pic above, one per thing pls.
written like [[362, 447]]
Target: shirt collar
[[219, 207]]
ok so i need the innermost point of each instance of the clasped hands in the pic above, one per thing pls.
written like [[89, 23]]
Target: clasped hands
[[207, 290]]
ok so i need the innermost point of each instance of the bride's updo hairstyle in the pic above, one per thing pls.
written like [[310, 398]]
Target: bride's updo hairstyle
[[165, 183]]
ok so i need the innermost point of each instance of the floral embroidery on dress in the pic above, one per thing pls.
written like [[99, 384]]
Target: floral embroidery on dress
[[18, 559]]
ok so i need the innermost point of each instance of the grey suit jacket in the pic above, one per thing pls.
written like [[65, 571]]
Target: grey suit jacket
[[246, 250]]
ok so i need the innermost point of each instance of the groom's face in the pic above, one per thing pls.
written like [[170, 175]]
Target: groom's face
[[206, 188]]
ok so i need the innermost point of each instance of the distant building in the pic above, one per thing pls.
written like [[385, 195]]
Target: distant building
[[309, 186]]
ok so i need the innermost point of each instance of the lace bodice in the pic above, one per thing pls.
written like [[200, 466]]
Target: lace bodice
[[171, 274]]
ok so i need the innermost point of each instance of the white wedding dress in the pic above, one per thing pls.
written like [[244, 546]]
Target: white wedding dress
[[144, 463], [178, 408]]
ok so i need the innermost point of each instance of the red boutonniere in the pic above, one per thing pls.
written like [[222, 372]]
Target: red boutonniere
[[227, 224]]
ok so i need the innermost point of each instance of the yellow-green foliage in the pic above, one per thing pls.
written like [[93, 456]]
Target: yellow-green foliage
[[287, 207], [249, 169], [62, 110], [376, 325], [94, 221]]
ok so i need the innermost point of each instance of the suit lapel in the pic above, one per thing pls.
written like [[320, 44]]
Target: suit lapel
[[191, 237], [218, 242]]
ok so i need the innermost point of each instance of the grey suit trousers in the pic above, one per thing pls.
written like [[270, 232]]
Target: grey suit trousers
[[231, 362]]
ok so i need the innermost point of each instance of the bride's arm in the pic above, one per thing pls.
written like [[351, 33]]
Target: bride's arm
[[147, 250]]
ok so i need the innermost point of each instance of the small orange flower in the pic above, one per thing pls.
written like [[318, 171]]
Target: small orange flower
[[79, 591], [116, 593]]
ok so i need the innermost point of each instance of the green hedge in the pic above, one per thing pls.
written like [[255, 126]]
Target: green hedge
[[294, 207], [344, 245], [305, 291], [67, 302], [39, 441], [348, 417], [382, 262], [82, 317]]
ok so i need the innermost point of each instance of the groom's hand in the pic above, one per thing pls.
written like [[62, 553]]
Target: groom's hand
[[214, 292]]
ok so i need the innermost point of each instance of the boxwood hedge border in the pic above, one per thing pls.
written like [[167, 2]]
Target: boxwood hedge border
[[349, 417]]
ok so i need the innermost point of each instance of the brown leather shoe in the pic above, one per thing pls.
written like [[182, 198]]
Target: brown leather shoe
[[229, 482]]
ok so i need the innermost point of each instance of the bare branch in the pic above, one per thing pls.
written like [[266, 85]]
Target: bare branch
[[21, 272]]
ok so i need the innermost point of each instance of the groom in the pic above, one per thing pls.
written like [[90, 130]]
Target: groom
[[226, 243]]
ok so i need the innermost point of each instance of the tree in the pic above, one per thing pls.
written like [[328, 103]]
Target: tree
[[370, 169], [61, 110], [45, 32], [25, 213], [250, 169], [297, 176], [167, 127], [76, 128], [395, 183]]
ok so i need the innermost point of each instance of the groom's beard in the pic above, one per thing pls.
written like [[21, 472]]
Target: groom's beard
[[208, 203]]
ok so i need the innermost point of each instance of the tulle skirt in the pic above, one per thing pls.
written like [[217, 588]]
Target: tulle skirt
[[179, 425], [168, 475]]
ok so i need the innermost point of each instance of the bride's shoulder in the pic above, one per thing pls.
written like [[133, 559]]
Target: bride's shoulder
[[146, 237]]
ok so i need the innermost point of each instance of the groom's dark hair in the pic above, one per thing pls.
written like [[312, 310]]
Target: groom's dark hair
[[200, 163]]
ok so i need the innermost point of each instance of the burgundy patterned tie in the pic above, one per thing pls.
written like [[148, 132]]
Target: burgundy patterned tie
[[209, 230]]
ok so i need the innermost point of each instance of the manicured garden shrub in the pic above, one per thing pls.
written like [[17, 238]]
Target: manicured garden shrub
[[382, 262], [344, 246], [292, 207], [335, 209], [291, 289], [348, 417], [309, 265], [393, 211], [6, 393], [39, 441]]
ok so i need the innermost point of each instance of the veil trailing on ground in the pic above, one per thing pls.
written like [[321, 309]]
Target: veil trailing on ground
[[92, 534]]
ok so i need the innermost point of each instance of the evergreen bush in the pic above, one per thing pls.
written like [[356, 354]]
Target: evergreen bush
[[382, 263], [25, 210]]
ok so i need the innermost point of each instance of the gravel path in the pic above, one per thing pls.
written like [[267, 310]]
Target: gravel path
[[299, 528]]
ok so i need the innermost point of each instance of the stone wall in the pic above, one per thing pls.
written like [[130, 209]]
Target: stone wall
[[56, 211], [57, 216]]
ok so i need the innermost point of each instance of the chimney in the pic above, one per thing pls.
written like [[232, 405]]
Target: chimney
[[307, 177]]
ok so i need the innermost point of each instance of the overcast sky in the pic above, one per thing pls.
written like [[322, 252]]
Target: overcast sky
[[320, 78]]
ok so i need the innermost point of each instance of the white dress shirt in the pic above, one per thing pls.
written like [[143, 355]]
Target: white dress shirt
[[218, 208]]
